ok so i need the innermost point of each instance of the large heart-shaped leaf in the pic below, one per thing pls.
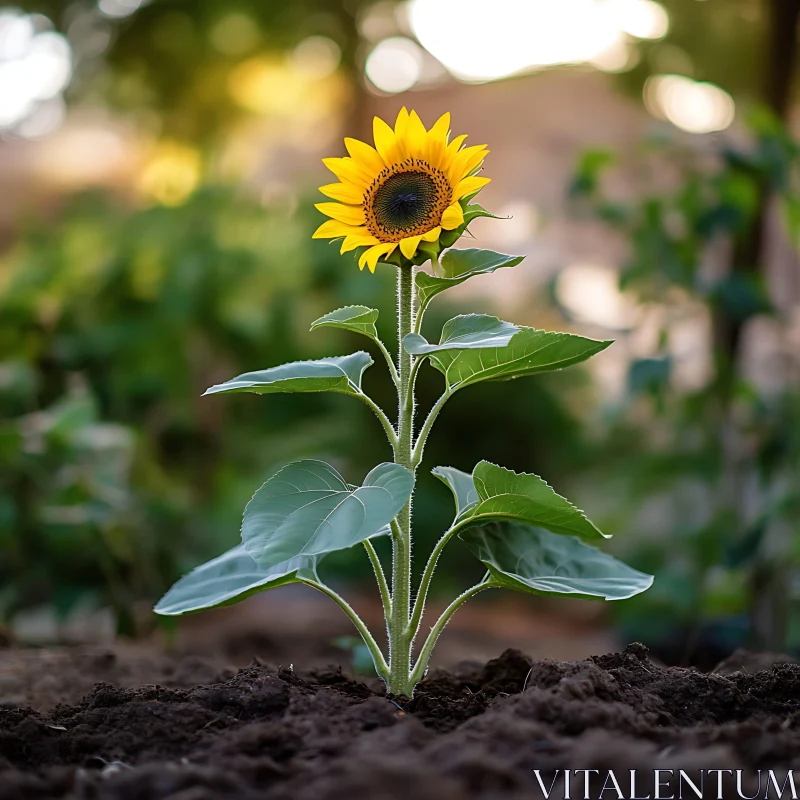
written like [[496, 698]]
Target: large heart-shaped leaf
[[339, 374], [465, 332], [359, 319], [506, 495], [529, 352], [533, 560], [457, 266], [230, 578], [307, 509], [460, 484]]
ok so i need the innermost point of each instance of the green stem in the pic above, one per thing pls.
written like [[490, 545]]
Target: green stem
[[418, 362], [382, 418], [388, 356], [380, 576], [419, 447], [424, 304], [425, 654], [399, 635], [427, 576], [381, 666]]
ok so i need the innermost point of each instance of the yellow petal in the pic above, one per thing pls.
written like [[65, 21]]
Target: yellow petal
[[475, 161], [365, 156], [452, 217], [465, 162], [347, 170], [344, 192], [357, 240], [384, 141], [469, 185], [441, 127], [401, 122], [350, 215], [451, 151], [455, 145], [332, 229], [437, 140], [408, 247], [431, 235], [416, 138], [370, 257]]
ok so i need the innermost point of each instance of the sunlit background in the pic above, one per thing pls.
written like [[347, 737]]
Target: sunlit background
[[159, 161]]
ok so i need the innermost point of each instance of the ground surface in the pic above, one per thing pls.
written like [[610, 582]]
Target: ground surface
[[476, 732]]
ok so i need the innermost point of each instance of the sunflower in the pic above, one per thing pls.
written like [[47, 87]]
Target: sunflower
[[404, 191]]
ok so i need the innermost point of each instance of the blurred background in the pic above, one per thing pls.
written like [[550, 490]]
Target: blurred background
[[159, 162]]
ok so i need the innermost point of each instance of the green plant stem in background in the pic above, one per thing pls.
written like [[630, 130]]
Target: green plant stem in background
[[399, 635]]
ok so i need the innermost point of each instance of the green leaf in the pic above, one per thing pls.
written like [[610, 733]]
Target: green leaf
[[359, 319], [524, 497], [476, 210], [457, 266], [230, 578], [533, 560], [339, 374], [460, 484], [307, 509], [465, 332], [529, 352], [471, 212]]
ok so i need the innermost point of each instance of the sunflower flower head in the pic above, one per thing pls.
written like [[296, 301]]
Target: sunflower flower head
[[404, 198]]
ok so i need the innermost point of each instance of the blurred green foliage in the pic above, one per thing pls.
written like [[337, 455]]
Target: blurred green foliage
[[112, 323], [712, 471]]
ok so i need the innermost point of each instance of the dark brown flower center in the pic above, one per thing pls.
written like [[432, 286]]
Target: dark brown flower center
[[406, 199]]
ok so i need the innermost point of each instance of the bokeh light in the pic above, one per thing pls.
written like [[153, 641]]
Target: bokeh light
[[643, 19], [479, 42], [235, 34], [520, 223], [119, 8], [381, 20], [693, 106], [395, 65], [619, 56], [45, 119], [316, 57], [590, 292], [171, 174], [35, 67]]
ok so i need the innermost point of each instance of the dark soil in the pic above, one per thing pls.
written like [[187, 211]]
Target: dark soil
[[475, 733]]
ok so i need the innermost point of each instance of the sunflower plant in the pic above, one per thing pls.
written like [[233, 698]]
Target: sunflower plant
[[403, 202]]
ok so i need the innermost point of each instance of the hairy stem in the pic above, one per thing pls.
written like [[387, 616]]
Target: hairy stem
[[419, 447], [381, 666], [389, 361], [399, 637], [427, 576], [380, 576], [382, 418], [413, 379], [436, 268], [425, 654]]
